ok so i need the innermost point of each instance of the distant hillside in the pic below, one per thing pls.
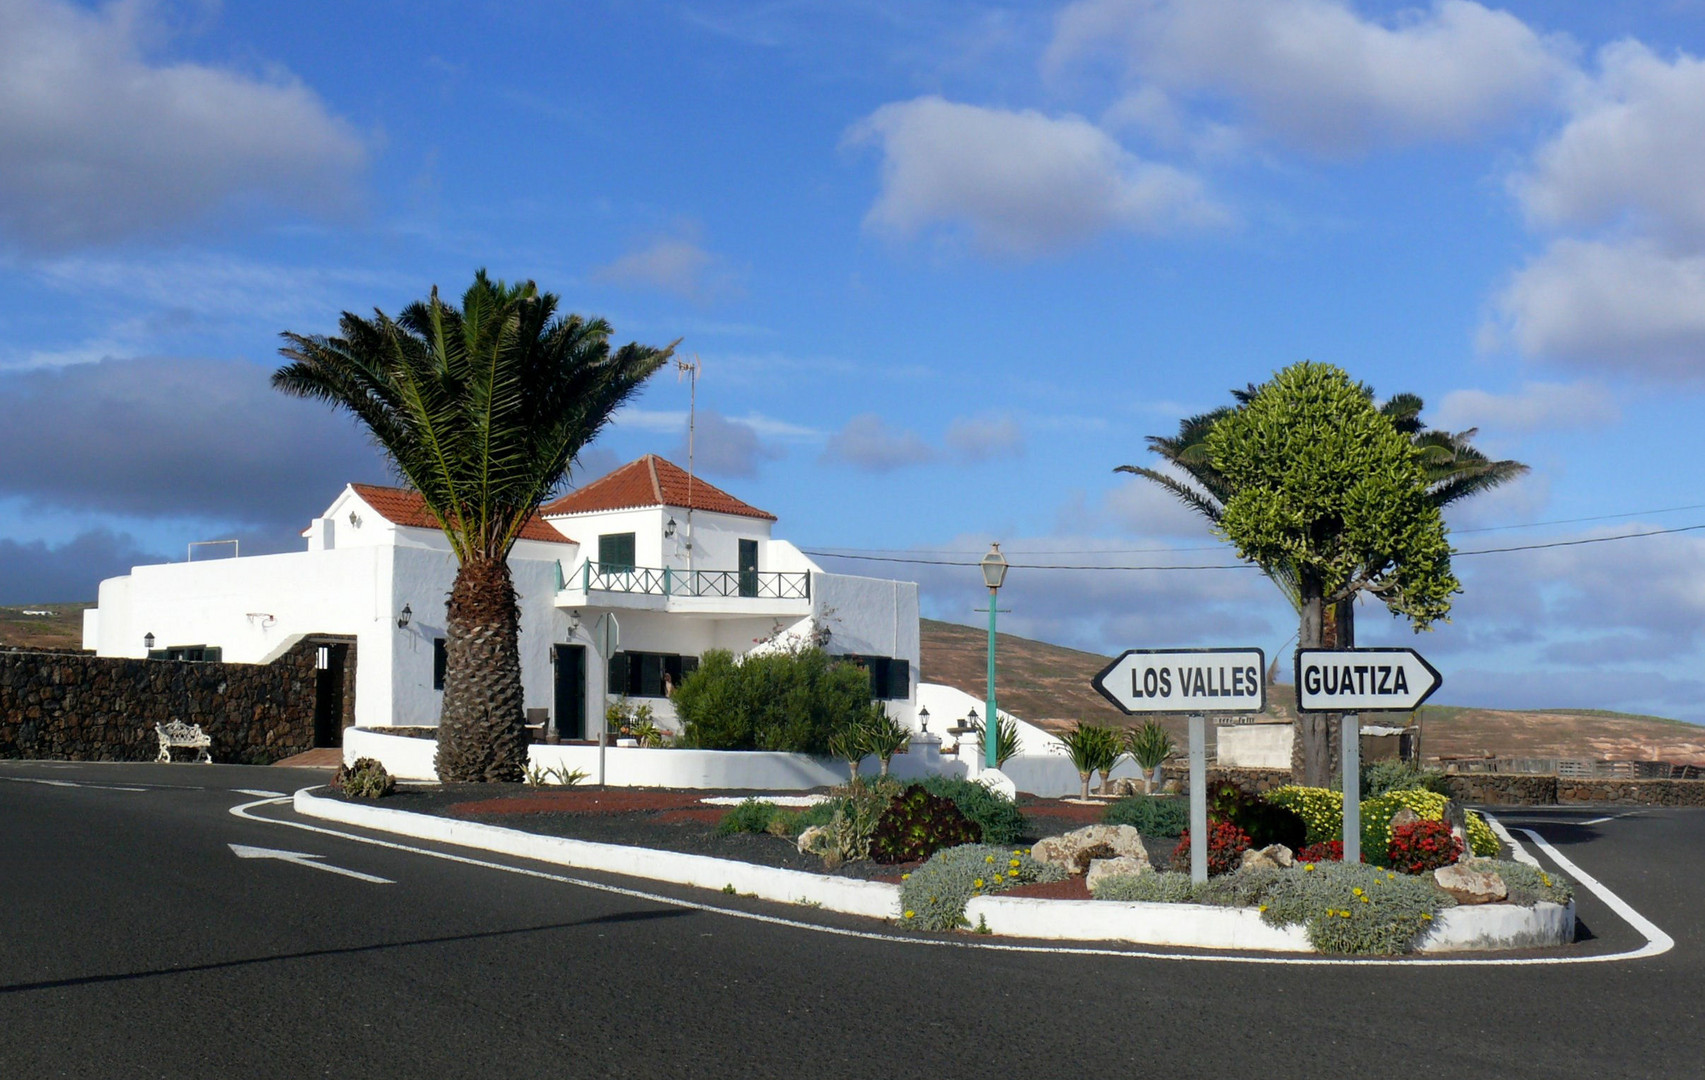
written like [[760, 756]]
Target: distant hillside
[[1049, 685], [61, 630]]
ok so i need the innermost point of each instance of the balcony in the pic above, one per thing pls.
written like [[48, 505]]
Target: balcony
[[732, 592]]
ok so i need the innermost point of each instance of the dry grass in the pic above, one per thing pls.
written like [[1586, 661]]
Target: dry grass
[[61, 630]]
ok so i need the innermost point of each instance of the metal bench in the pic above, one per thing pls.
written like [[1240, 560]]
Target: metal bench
[[189, 736]]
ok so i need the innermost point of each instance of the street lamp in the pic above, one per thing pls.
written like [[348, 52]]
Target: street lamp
[[994, 574], [923, 720]]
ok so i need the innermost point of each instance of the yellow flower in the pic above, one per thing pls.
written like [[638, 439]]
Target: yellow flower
[[1308, 866], [905, 877], [1263, 907], [1365, 900], [911, 914], [1015, 864], [1357, 890], [988, 858], [978, 883], [1345, 913], [1426, 917]]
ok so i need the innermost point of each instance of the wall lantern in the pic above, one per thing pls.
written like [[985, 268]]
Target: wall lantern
[[148, 640], [923, 719], [669, 530], [355, 519], [573, 623], [404, 616]]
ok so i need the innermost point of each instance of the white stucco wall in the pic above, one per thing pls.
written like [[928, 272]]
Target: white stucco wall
[[1255, 746]]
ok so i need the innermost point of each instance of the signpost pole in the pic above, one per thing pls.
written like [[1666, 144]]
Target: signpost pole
[[1352, 759], [1198, 798]]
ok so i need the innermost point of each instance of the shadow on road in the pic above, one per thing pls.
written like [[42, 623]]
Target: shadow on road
[[308, 954]]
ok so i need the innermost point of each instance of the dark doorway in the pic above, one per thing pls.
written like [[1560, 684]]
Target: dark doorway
[[748, 568], [329, 663], [570, 691]]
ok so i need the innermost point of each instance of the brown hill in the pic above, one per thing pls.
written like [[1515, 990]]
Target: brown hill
[[1049, 685]]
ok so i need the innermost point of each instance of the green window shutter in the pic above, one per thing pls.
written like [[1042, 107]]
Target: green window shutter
[[899, 680], [616, 551]]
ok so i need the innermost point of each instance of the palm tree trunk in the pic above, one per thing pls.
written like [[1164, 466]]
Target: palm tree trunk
[[481, 732], [1311, 750], [1083, 793]]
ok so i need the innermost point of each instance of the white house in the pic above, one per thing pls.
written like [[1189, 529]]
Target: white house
[[682, 565]]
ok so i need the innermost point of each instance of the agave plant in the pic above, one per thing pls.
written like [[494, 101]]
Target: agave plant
[[1149, 746], [884, 736], [1006, 741], [1093, 748]]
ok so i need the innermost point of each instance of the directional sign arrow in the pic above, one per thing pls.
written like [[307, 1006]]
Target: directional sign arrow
[[302, 858], [1363, 680], [1185, 681]]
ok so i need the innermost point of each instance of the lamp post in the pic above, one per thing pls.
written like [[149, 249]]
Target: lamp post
[[994, 574]]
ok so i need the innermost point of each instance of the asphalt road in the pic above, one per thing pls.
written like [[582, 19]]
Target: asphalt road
[[134, 943]]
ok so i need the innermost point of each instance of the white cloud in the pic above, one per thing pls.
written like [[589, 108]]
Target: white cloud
[[1536, 406], [980, 438], [869, 442], [101, 143], [726, 447], [1317, 74], [1632, 148], [678, 264], [1623, 306], [1018, 182]]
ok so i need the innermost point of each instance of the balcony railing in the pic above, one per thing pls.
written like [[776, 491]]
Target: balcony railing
[[651, 581]]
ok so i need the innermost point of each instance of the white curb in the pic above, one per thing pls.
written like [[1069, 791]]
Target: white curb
[[875, 899], [1198, 926]]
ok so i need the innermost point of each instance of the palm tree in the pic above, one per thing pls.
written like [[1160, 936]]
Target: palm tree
[[482, 409], [1454, 470]]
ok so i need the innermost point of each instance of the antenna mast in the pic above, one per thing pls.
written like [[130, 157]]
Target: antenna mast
[[689, 370]]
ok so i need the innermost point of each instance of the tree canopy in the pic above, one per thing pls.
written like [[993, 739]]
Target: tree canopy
[[1320, 479]]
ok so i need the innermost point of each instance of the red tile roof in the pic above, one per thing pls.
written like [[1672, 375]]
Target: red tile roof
[[651, 481], [399, 506]]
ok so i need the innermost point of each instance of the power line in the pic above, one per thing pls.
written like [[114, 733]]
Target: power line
[[837, 552], [1241, 566]]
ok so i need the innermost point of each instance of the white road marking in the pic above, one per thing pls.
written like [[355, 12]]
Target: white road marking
[[1068, 950], [1657, 942], [259, 793], [302, 858], [66, 783]]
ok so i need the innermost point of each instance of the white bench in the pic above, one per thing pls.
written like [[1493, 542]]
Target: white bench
[[190, 736]]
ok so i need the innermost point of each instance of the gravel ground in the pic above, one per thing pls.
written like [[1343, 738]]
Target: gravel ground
[[679, 821]]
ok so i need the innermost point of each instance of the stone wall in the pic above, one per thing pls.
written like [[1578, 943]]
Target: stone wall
[[77, 707], [1511, 789], [1254, 781]]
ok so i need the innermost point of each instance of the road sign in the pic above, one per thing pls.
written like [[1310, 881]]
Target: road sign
[[302, 858], [1186, 681], [1363, 680], [607, 635]]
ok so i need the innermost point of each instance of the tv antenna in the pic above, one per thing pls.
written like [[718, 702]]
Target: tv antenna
[[689, 370]]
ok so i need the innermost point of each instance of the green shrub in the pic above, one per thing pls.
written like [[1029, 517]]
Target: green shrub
[[786, 701], [1321, 810], [933, 897], [1240, 888], [1379, 777], [793, 822], [1353, 908], [366, 779], [856, 808], [1166, 815], [1265, 822], [1006, 741], [1000, 819], [1155, 887], [751, 816], [916, 825], [1378, 812], [1528, 885]]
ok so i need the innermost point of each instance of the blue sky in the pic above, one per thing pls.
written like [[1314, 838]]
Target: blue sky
[[944, 269]]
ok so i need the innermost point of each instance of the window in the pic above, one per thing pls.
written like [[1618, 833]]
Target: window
[[748, 568], [643, 674], [198, 653], [890, 678], [615, 551], [438, 661]]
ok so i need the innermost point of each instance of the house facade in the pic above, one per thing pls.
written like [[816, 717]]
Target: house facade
[[681, 565]]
